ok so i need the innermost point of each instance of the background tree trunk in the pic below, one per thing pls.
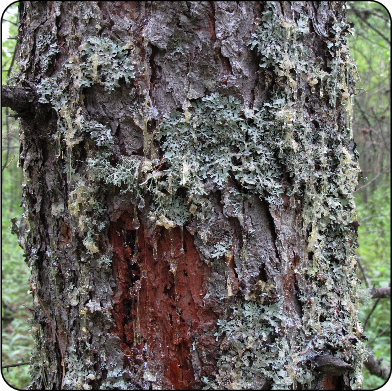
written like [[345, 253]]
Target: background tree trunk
[[188, 178]]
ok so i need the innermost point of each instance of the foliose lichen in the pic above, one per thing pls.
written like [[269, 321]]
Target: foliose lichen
[[217, 138], [99, 61], [276, 149]]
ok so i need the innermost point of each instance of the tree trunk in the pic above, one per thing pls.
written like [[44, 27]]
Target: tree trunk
[[188, 178]]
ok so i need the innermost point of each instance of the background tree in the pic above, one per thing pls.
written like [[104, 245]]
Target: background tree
[[372, 102], [370, 46], [16, 340], [270, 135]]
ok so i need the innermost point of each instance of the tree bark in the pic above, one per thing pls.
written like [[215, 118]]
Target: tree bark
[[17, 98], [189, 216], [380, 292]]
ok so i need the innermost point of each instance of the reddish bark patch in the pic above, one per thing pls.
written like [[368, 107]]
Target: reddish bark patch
[[65, 235], [288, 287], [211, 21], [331, 382], [160, 315]]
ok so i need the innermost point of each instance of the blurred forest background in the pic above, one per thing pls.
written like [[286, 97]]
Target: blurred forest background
[[370, 47]]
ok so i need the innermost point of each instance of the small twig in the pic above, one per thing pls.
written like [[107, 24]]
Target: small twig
[[363, 272], [15, 365], [357, 104], [58, 339], [15, 24], [379, 335], [381, 292], [367, 184], [370, 25], [10, 161], [371, 311], [372, 231], [30, 309], [370, 217], [376, 367]]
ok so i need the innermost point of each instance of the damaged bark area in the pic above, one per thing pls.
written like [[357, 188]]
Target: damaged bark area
[[188, 194], [164, 325]]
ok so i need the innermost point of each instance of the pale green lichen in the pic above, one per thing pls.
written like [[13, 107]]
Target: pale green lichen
[[198, 139], [323, 171], [255, 352], [100, 61], [46, 59]]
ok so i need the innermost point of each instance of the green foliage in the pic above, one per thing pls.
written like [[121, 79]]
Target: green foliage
[[10, 19], [370, 47], [16, 340], [374, 236], [375, 254], [371, 50]]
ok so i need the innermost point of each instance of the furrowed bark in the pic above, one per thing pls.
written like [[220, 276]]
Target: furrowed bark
[[189, 213]]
